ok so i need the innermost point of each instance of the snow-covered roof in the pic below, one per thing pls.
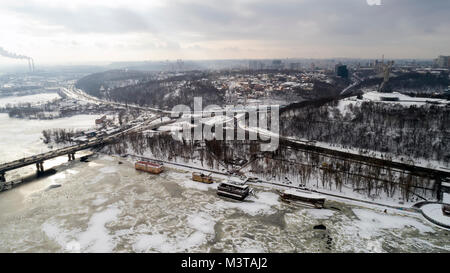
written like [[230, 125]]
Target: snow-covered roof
[[303, 194], [235, 185], [148, 163]]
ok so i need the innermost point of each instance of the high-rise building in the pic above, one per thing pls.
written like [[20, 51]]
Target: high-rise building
[[294, 66], [277, 64], [341, 70], [443, 61], [255, 65]]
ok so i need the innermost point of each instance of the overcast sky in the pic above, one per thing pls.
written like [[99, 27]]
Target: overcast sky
[[80, 31]]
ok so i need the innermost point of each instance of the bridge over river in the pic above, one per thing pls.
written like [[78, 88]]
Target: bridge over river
[[71, 150]]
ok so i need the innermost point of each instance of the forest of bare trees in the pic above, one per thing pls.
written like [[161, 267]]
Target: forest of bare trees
[[412, 132], [59, 135], [167, 95]]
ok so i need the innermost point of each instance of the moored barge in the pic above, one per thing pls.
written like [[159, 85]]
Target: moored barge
[[231, 190], [149, 167], [199, 177], [304, 197]]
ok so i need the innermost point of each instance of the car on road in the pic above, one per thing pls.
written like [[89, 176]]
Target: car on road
[[446, 209]]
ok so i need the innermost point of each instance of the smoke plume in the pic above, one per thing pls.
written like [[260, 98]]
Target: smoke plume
[[8, 54]]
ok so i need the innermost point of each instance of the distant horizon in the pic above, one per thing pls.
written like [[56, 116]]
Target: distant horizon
[[13, 62], [80, 32], [20, 63]]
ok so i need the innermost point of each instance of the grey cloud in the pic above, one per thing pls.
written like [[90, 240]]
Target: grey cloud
[[88, 20], [307, 22], [225, 17]]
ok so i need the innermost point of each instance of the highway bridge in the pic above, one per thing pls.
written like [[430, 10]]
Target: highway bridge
[[71, 150], [40, 158]]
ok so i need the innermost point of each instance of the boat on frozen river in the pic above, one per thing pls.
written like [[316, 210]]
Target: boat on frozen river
[[304, 197], [233, 190], [149, 167]]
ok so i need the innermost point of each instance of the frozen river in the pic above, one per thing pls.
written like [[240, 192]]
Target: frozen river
[[32, 99], [104, 206]]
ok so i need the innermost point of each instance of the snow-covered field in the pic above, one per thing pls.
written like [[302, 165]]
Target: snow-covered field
[[375, 96], [402, 99]]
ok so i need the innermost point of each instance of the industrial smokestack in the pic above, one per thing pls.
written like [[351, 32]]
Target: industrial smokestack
[[7, 54]]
